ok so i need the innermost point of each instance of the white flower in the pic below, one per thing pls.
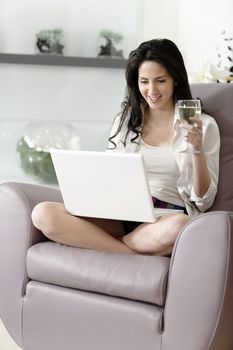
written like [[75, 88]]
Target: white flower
[[208, 73]]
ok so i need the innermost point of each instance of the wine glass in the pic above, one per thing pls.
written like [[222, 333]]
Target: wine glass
[[188, 109]]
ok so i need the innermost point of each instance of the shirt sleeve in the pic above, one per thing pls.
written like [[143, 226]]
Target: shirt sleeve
[[211, 145]]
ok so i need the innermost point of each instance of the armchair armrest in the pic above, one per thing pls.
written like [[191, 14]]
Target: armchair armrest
[[17, 234], [199, 305]]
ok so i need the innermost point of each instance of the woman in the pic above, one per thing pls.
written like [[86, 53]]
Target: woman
[[156, 79]]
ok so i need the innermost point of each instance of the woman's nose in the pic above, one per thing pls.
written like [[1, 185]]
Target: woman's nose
[[152, 89]]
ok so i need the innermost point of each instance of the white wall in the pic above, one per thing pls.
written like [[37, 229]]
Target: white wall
[[88, 98], [194, 26], [159, 19], [200, 25]]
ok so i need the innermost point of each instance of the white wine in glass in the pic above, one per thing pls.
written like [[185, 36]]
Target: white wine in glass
[[188, 109]]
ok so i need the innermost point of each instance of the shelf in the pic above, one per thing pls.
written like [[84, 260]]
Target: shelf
[[53, 60]]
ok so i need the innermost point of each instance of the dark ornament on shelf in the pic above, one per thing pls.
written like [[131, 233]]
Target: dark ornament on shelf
[[45, 47], [48, 42], [109, 49]]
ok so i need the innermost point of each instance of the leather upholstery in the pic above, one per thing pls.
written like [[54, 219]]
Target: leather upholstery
[[138, 277], [16, 235], [58, 318], [200, 286], [217, 100]]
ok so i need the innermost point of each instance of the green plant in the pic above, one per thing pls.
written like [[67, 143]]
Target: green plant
[[52, 36], [110, 35], [36, 163], [49, 41]]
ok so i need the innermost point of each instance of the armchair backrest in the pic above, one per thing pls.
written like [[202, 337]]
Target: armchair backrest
[[217, 100]]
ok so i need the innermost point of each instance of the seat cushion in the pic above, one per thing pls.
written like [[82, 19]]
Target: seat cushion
[[137, 277]]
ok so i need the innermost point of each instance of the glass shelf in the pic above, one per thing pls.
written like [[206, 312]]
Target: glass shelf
[[56, 60]]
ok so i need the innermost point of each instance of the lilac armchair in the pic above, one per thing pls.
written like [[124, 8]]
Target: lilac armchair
[[55, 297]]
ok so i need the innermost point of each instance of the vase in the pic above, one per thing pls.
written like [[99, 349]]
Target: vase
[[35, 144]]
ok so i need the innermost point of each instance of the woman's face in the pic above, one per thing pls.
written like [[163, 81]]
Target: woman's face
[[156, 85]]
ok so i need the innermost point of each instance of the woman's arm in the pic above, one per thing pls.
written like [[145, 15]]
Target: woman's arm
[[201, 175], [204, 139]]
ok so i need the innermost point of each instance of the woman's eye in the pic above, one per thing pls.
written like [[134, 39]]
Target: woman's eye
[[161, 81], [143, 81]]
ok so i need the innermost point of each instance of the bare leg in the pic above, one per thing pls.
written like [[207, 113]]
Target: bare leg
[[157, 238], [58, 225]]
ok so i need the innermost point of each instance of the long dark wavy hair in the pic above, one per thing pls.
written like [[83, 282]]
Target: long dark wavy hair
[[166, 53]]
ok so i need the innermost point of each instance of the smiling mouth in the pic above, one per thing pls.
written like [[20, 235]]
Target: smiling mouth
[[154, 99]]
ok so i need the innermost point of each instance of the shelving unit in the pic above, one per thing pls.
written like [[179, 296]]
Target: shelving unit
[[55, 60]]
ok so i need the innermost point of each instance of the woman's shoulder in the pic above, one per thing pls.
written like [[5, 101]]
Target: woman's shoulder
[[207, 117], [210, 127], [208, 120]]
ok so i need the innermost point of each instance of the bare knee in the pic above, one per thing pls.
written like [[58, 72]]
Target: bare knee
[[166, 233], [45, 216], [172, 227]]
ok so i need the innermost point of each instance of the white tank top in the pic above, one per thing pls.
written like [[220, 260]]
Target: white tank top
[[162, 172]]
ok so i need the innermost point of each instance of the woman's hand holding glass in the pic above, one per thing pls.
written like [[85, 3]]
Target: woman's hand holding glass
[[189, 112]]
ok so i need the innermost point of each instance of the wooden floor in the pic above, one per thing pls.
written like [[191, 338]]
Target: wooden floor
[[6, 343]]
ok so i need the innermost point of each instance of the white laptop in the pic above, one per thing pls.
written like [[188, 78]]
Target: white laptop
[[109, 185]]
